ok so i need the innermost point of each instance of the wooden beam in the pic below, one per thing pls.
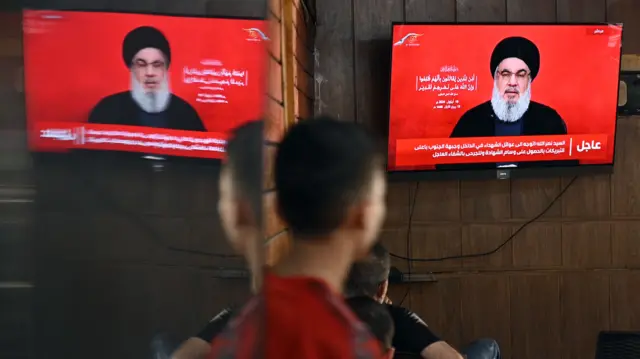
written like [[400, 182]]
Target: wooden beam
[[288, 58]]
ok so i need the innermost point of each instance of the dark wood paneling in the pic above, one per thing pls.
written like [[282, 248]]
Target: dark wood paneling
[[481, 11], [581, 10], [395, 240], [529, 197], [372, 59], [588, 197], [430, 11], [625, 193], [586, 245], [483, 238], [625, 252], [535, 318], [626, 12], [485, 200], [531, 11], [585, 312], [437, 201], [334, 60], [436, 242], [430, 301], [624, 312], [485, 307], [538, 245]]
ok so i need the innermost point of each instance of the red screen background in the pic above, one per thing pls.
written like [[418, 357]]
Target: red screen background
[[578, 76], [74, 59]]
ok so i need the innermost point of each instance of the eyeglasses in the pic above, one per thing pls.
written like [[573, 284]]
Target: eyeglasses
[[521, 76], [141, 64]]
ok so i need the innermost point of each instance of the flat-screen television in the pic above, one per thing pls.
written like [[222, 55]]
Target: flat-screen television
[[156, 85], [471, 98]]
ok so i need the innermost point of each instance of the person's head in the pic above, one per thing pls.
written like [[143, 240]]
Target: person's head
[[240, 201], [515, 62], [370, 276], [146, 52], [377, 318], [330, 183]]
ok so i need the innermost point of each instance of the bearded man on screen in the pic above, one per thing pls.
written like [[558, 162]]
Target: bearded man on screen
[[149, 102], [515, 63]]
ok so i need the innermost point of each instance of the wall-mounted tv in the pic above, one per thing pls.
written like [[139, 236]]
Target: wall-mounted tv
[[157, 85], [476, 98]]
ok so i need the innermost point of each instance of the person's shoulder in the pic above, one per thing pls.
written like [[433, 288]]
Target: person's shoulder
[[480, 109], [179, 101], [115, 98], [542, 109], [397, 311], [401, 314], [223, 316]]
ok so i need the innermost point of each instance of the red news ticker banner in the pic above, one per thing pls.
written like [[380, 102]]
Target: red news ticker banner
[[64, 136], [432, 151]]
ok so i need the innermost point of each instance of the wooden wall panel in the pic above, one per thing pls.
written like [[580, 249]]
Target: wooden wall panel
[[624, 310], [485, 200], [431, 302], [538, 245], [335, 56], [486, 309], [481, 11], [535, 318], [480, 238], [395, 240], [581, 10], [585, 312], [430, 11], [586, 245], [436, 241], [436, 201], [372, 54], [625, 252], [625, 194], [586, 239], [626, 12], [527, 11]]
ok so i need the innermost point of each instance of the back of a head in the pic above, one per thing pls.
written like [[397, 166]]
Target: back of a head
[[366, 275], [245, 162], [322, 168], [376, 316]]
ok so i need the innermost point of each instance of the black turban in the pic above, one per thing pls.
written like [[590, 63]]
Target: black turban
[[520, 48], [142, 38]]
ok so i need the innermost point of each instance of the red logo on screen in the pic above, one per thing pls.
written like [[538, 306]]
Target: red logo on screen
[[256, 34], [410, 39]]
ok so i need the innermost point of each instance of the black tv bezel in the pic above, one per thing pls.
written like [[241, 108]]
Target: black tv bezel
[[488, 174], [127, 156]]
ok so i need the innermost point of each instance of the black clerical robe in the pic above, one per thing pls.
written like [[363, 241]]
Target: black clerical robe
[[481, 121], [121, 109]]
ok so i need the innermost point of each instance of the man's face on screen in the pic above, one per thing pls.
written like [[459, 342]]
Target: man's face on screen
[[512, 79], [149, 68]]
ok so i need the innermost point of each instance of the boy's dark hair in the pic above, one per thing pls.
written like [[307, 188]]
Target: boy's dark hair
[[376, 316], [366, 275], [245, 162], [322, 168]]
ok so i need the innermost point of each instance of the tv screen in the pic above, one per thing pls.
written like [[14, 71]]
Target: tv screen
[[489, 97], [157, 85]]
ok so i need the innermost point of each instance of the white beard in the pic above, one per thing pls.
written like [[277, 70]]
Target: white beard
[[153, 101], [510, 112]]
